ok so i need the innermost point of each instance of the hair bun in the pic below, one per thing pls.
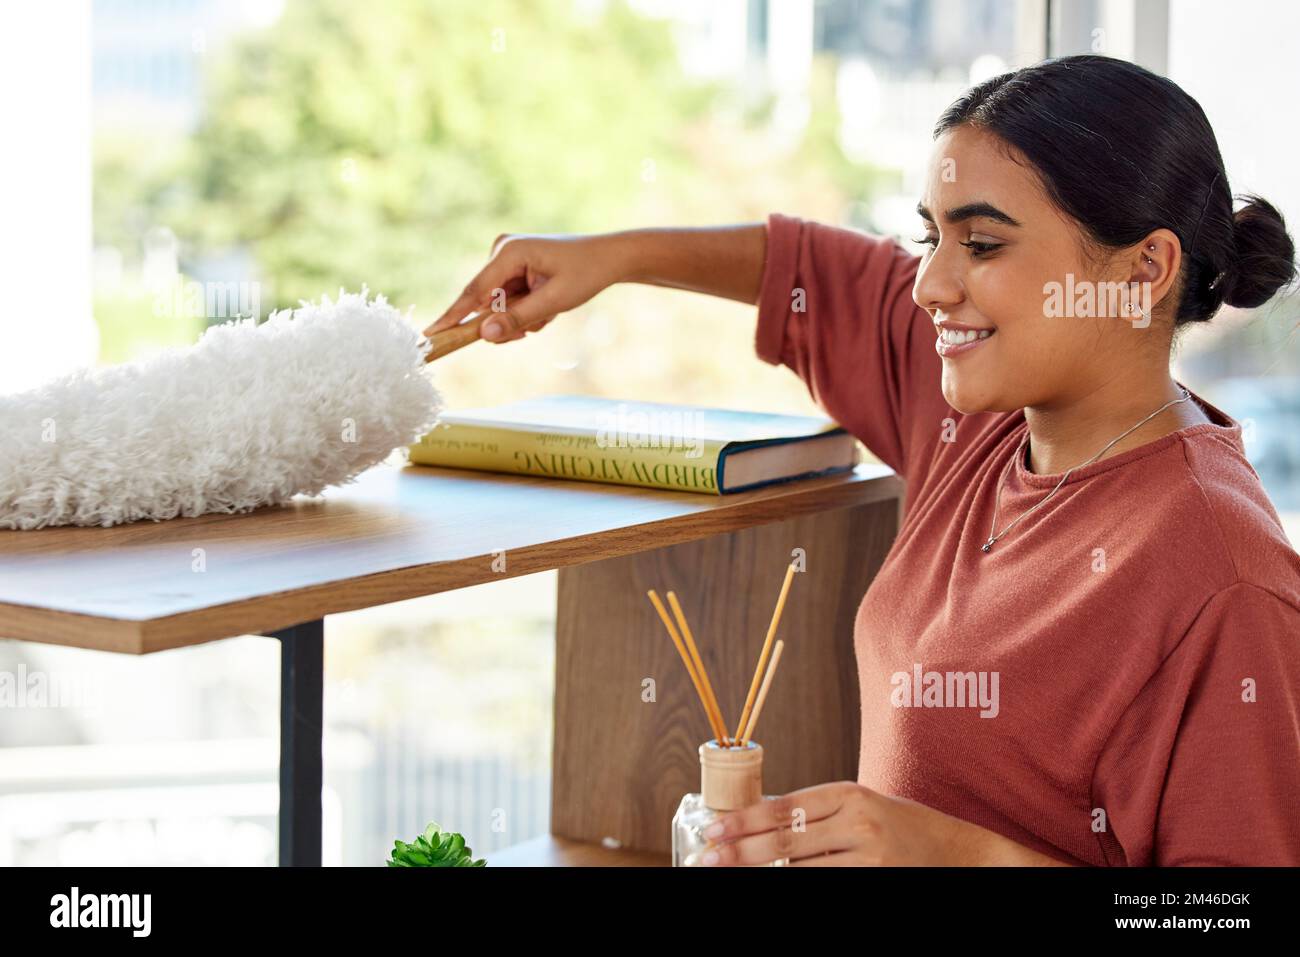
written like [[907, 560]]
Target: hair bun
[[1265, 255]]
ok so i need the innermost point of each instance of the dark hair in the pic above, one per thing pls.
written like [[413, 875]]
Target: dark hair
[[1124, 152]]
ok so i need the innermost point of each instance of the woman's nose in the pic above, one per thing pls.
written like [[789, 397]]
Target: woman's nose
[[937, 288]]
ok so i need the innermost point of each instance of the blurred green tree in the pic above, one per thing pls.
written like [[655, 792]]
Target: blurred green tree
[[376, 143]]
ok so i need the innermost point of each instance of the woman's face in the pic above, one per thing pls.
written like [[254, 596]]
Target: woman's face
[[996, 242]]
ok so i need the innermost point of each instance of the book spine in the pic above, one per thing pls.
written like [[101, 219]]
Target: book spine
[[569, 455]]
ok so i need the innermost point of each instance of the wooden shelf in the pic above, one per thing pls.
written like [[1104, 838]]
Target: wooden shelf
[[397, 533], [553, 851]]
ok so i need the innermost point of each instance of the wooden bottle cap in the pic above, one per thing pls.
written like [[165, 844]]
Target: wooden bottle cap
[[731, 778]]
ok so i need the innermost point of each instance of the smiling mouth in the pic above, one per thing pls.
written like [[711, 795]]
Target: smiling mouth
[[954, 342]]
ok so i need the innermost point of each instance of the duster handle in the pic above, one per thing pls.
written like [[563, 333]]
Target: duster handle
[[446, 341]]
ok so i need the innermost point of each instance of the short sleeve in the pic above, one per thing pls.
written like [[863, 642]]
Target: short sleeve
[[1203, 768], [835, 307]]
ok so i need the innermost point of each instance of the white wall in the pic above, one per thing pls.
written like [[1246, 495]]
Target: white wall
[[1241, 61], [46, 324]]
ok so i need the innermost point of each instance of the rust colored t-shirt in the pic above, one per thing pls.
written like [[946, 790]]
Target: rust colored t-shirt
[[1117, 682]]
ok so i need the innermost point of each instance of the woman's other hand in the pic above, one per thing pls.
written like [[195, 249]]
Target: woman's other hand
[[843, 824]]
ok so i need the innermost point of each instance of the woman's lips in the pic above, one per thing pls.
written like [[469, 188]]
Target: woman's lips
[[949, 349]]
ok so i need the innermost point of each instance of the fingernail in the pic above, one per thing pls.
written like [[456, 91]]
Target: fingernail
[[715, 830], [492, 329], [709, 859]]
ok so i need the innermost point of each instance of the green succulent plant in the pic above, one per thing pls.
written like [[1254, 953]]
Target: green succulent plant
[[434, 848]]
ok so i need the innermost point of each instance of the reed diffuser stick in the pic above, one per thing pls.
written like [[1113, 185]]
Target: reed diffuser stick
[[762, 694], [718, 729], [699, 666], [767, 647]]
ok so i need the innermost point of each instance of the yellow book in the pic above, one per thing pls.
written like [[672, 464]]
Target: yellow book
[[653, 444]]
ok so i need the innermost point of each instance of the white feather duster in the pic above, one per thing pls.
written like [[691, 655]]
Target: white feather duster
[[250, 415]]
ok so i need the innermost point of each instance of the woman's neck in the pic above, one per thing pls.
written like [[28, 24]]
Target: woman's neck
[[1063, 437]]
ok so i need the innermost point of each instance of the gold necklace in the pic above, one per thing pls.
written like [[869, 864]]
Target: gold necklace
[[1020, 449]]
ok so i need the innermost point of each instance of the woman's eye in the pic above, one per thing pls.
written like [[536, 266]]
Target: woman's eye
[[981, 249], [977, 248]]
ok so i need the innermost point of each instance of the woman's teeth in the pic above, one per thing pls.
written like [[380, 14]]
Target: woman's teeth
[[955, 337]]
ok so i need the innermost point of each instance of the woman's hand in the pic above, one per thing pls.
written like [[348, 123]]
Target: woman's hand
[[843, 824], [529, 280]]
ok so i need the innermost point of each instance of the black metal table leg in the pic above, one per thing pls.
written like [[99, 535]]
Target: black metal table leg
[[302, 691]]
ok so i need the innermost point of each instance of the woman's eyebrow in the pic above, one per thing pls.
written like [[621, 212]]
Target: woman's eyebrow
[[970, 211]]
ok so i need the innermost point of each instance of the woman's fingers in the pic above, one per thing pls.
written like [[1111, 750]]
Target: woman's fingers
[[829, 859], [529, 281], [817, 838], [494, 281], [511, 320], [525, 314], [801, 824], [808, 804]]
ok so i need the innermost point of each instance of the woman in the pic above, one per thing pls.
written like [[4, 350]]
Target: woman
[[1080, 529]]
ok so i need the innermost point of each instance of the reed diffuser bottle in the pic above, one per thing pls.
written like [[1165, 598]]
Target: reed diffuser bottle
[[730, 778], [731, 767]]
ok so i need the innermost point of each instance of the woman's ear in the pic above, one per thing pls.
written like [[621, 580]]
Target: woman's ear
[[1155, 262]]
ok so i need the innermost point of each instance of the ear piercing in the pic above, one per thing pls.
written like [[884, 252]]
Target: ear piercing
[[1132, 307]]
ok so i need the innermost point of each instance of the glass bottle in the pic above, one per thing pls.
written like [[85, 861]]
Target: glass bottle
[[730, 778]]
